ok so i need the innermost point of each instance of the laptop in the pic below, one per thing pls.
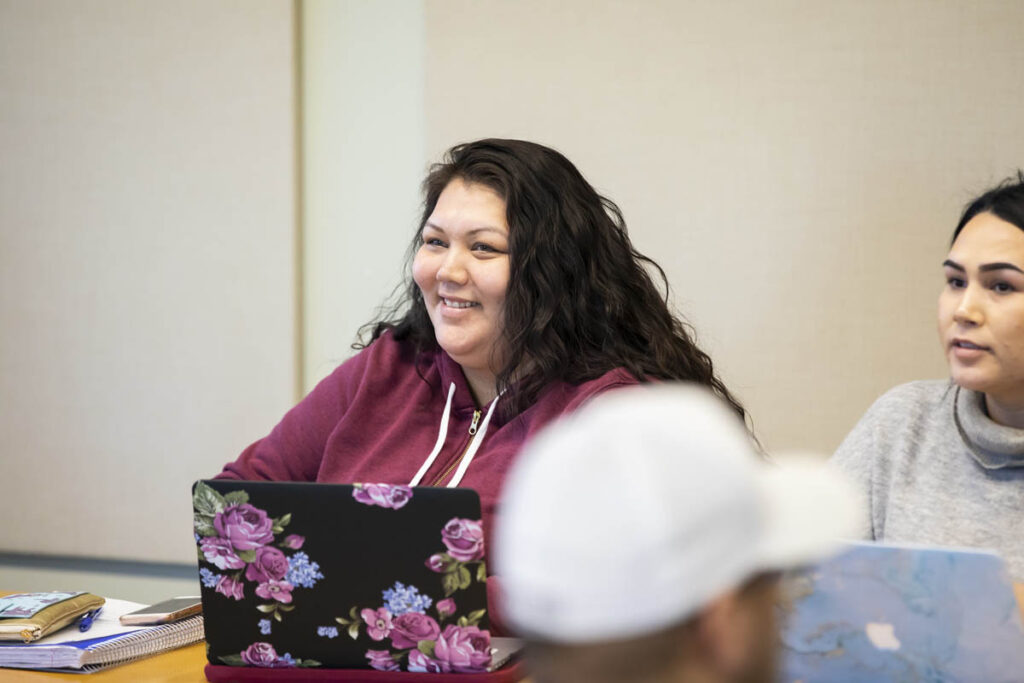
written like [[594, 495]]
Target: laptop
[[329, 576], [902, 613]]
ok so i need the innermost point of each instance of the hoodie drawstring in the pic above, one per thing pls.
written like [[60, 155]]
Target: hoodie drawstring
[[442, 433], [474, 444]]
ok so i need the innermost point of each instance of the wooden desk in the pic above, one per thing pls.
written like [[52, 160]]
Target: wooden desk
[[184, 665]]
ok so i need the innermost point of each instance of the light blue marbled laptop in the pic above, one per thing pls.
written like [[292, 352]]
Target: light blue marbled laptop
[[880, 612]]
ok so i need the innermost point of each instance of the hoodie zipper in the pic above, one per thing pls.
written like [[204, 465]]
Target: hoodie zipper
[[454, 463]]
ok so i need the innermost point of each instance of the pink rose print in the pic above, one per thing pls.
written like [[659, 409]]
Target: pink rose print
[[421, 663], [275, 590], [438, 563], [264, 655], [218, 551], [464, 538], [378, 622], [410, 628], [293, 541], [246, 527], [260, 654], [463, 649], [381, 660], [270, 563], [229, 587], [446, 607], [382, 495]]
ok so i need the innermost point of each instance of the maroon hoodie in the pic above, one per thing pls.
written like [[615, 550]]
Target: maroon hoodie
[[377, 417]]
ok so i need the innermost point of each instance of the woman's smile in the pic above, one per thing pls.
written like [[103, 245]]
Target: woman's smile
[[462, 270]]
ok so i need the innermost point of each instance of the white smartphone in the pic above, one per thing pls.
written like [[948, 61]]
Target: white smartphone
[[164, 612]]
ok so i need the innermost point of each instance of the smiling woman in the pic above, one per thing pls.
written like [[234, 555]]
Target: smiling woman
[[525, 299], [462, 271], [942, 462]]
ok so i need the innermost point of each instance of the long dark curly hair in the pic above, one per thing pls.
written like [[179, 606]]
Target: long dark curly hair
[[581, 300]]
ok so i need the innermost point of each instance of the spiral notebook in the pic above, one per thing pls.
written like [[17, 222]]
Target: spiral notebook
[[106, 644]]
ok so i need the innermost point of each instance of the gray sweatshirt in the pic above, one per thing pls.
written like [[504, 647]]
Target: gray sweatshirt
[[937, 470]]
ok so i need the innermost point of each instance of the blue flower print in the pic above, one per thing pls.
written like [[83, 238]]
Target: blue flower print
[[208, 578], [302, 572], [265, 626], [402, 599], [327, 631]]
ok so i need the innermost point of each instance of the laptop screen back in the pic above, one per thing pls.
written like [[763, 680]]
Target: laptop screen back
[[341, 576], [886, 612]]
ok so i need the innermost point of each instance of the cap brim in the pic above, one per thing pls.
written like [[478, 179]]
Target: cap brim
[[810, 509]]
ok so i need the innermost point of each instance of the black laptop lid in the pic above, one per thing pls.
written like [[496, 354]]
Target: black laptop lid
[[341, 576]]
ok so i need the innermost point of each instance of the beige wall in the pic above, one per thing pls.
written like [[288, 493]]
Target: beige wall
[[796, 167], [147, 222], [363, 160]]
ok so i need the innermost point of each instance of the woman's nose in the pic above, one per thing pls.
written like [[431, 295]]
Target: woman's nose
[[969, 310], [452, 268]]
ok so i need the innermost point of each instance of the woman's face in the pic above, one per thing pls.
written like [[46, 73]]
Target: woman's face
[[981, 309], [462, 269]]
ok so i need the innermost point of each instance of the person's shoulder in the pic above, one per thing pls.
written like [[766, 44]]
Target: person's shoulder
[[896, 417], [389, 348], [380, 359], [561, 396], [913, 397], [616, 377], [903, 412]]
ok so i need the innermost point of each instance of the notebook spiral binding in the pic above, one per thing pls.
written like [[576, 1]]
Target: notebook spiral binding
[[143, 643]]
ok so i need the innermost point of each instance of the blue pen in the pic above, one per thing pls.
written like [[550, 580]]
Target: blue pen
[[85, 622]]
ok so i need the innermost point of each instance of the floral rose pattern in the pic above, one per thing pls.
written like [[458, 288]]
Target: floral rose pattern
[[265, 656], [381, 660], [239, 539], [423, 664], [378, 622], [464, 538], [219, 552], [227, 586], [463, 649], [293, 541], [416, 636], [446, 607], [261, 654], [269, 563], [242, 548], [412, 627], [382, 495], [245, 527]]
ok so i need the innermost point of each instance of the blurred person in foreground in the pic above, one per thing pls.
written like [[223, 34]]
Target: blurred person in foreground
[[641, 539]]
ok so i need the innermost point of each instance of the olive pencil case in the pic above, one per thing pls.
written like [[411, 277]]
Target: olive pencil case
[[30, 616]]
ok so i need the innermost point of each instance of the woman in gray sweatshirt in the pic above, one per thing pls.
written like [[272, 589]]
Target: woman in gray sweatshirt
[[942, 462]]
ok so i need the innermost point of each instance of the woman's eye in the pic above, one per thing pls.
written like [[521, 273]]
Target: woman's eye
[[480, 246], [433, 242], [956, 282], [1003, 287]]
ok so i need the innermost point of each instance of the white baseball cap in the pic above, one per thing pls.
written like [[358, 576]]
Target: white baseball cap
[[629, 515]]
